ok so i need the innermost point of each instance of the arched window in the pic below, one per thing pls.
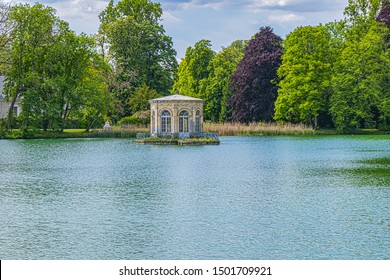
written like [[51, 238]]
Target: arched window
[[165, 121], [183, 121], [197, 122]]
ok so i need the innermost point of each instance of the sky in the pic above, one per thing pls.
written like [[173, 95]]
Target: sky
[[220, 21]]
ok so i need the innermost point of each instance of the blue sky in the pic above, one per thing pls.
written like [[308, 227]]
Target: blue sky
[[220, 21]]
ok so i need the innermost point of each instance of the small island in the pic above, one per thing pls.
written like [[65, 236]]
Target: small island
[[177, 120]]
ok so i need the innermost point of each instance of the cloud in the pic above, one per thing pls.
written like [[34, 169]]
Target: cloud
[[194, 4], [285, 18], [82, 15], [79, 8], [169, 18], [257, 5], [303, 6]]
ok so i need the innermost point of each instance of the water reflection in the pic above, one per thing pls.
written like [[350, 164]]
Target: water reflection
[[249, 198]]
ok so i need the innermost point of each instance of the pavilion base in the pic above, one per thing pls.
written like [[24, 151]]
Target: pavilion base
[[199, 139]]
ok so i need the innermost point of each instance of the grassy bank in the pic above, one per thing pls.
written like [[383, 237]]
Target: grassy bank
[[116, 132]]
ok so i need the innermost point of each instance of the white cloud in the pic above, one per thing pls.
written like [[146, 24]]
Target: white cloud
[[169, 18], [256, 5], [285, 18], [215, 5], [79, 8], [82, 15]]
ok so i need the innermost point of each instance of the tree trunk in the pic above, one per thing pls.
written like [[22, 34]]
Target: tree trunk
[[65, 116], [10, 111], [90, 125]]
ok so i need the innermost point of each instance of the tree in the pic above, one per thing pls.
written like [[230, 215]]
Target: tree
[[5, 30], [253, 84], [139, 101], [141, 52], [360, 78], [194, 70], [51, 68], [305, 76], [32, 33], [384, 13], [384, 106], [217, 92], [357, 82]]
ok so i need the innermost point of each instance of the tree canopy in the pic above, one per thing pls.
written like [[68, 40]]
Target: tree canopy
[[253, 84], [305, 75], [194, 70], [139, 50], [51, 69], [217, 86]]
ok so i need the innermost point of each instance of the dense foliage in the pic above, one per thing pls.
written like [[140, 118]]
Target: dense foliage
[[360, 95], [217, 86], [253, 87], [51, 70], [138, 49], [5, 29], [194, 70], [305, 75], [339, 72]]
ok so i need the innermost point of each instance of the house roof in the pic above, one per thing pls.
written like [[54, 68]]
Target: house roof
[[177, 97]]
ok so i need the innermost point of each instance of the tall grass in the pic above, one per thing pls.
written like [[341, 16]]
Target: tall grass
[[132, 128], [257, 129]]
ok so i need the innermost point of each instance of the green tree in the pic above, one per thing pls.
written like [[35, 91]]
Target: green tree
[[139, 49], [5, 30], [31, 36], [360, 87], [194, 70], [384, 106], [217, 92], [358, 82], [51, 68], [139, 101], [305, 76], [96, 100]]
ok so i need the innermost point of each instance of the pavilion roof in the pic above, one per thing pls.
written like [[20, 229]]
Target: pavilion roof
[[177, 97]]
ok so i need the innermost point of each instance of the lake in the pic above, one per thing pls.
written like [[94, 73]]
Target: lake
[[249, 198]]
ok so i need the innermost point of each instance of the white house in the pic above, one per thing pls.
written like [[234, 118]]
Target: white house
[[4, 104]]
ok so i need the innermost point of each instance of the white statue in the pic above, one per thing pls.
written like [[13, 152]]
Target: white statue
[[107, 126]]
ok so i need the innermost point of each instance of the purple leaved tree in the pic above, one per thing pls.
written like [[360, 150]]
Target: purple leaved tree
[[254, 83], [384, 13]]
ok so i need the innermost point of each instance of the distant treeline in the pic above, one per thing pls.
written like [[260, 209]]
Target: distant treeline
[[332, 75]]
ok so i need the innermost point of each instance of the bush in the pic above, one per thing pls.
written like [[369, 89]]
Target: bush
[[131, 120], [27, 132], [3, 132]]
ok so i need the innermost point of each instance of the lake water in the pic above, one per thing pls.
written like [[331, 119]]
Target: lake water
[[249, 198]]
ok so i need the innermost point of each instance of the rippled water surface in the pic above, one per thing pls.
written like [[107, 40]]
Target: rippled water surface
[[249, 198]]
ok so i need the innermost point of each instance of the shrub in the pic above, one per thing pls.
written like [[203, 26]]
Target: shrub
[[131, 120]]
